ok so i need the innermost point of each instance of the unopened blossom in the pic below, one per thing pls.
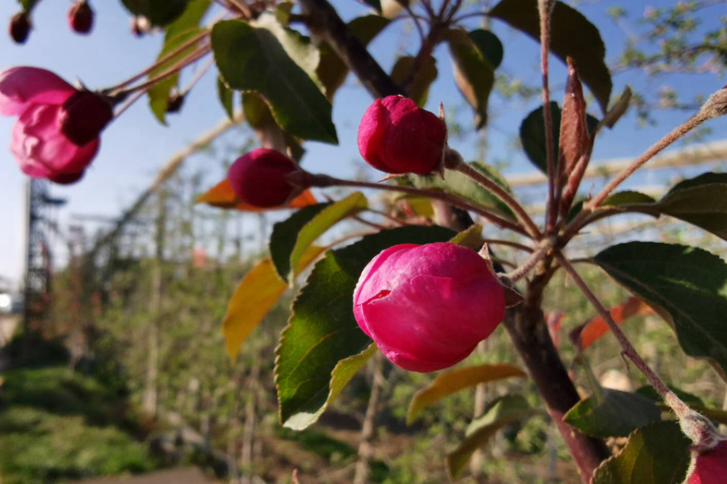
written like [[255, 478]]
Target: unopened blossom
[[397, 136], [261, 178], [710, 467], [428, 306]]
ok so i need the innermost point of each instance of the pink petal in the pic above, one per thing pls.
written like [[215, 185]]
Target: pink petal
[[22, 86]]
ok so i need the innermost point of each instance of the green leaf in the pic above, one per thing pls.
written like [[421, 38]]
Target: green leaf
[[506, 410], [227, 98], [685, 285], [473, 73], [618, 109], [461, 185], [701, 201], [322, 330], [457, 380], [332, 70], [159, 12], [532, 135], [252, 59], [375, 4], [258, 115], [655, 454], [650, 392], [572, 35], [28, 5], [285, 235], [419, 88], [297, 46], [470, 237], [291, 238], [489, 45], [177, 33], [626, 197], [612, 414]]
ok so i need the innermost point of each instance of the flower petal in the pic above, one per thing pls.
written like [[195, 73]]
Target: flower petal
[[21, 87]]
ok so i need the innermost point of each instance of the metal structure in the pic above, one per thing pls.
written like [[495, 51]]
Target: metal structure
[[38, 262]]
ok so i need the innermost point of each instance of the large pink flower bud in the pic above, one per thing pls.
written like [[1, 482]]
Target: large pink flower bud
[[428, 306], [80, 17], [261, 178], [56, 135], [396, 136], [711, 466], [20, 27]]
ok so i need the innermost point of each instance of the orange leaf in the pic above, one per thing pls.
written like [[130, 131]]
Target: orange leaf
[[222, 196], [587, 334]]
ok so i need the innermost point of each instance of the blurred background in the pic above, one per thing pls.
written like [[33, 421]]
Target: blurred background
[[112, 362]]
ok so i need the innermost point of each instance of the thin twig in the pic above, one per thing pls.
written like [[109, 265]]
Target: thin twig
[[509, 243], [174, 69], [455, 162], [198, 74], [523, 269], [689, 419], [328, 181]]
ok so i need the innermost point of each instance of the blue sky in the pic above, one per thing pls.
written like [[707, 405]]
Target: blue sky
[[135, 145]]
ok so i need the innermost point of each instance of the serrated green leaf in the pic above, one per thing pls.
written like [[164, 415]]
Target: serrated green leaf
[[650, 392], [616, 414], [461, 185], [489, 45], [473, 73], [532, 135], [332, 70], [297, 46], [627, 197], [159, 12], [285, 235], [457, 380], [470, 237], [177, 33], [685, 285], [226, 97], [322, 330], [572, 35], [655, 454], [506, 410], [419, 88], [252, 59], [324, 220], [701, 201]]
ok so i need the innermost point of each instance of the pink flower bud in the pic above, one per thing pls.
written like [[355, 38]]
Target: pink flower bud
[[84, 115], [396, 136], [711, 466], [51, 112], [428, 306], [80, 17], [20, 27], [260, 178]]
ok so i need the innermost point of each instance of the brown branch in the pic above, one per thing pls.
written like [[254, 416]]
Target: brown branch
[[323, 20]]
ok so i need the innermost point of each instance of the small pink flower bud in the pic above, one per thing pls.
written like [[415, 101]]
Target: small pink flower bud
[[710, 467], [84, 115], [261, 178], [428, 306], [396, 136], [20, 27], [80, 17]]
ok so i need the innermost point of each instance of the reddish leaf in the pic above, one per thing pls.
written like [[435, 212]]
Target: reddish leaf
[[222, 196], [573, 127], [587, 334]]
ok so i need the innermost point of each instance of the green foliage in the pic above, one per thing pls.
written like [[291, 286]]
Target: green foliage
[[253, 59], [612, 413], [655, 454], [572, 35], [686, 285], [226, 97], [55, 426], [159, 12], [425, 76]]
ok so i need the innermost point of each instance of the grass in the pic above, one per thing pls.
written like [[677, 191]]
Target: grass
[[56, 427]]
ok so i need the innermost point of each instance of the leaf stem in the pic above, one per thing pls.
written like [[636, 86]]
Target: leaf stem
[[715, 106], [323, 181], [545, 9], [174, 69], [694, 425], [523, 269], [454, 161]]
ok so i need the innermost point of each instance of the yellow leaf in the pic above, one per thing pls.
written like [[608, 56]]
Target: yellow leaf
[[254, 297], [453, 381], [222, 196]]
